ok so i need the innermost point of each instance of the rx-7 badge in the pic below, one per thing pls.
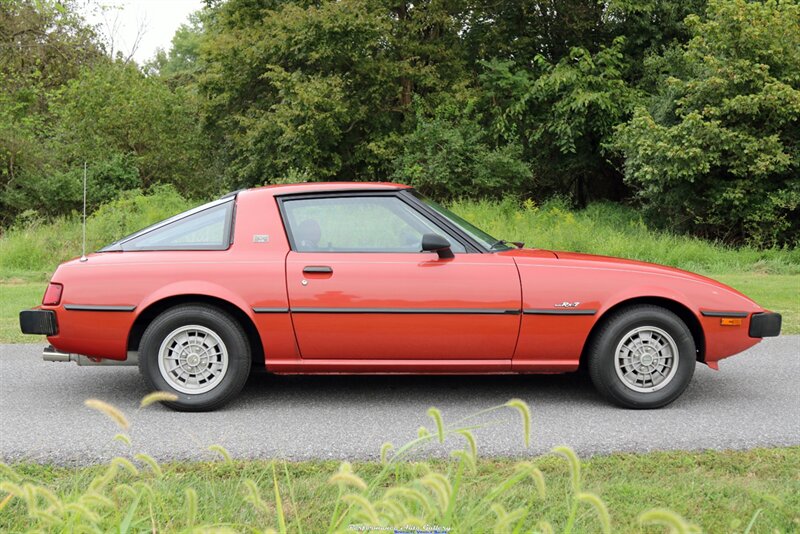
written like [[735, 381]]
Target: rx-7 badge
[[567, 305]]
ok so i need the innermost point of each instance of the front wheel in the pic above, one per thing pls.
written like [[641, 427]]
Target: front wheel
[[197, 352], [642, 357]]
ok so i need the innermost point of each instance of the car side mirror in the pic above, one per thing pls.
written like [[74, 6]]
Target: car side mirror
[[438, 244]]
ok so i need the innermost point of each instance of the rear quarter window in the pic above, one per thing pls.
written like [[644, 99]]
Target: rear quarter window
[[204, 228]]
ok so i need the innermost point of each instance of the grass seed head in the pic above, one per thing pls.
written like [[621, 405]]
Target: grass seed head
[[411, 494], [536, 474], [365, 506], [467, 458], [436, 415], [440, 487], [157, 396], [109, 411], [222, 451], [125, 463], [151, 463], [254, 497], [395, 509], [473, 446], [525, 413], [191, 506], [668, 518], [346, 477], [600, 507], [574, 466], [124, 438], [82, 512], [385, 448]]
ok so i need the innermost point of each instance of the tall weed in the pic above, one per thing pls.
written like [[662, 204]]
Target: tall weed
[[34, 245], [122, 495]]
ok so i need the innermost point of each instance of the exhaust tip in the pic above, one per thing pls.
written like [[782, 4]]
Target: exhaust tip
[[49, 354]]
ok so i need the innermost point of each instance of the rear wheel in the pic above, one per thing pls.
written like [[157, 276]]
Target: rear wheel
[[642, 357], [197, 352]]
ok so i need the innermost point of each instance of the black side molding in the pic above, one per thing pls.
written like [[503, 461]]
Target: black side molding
[[92, 307], [39, 322], [548, 311], [765, 324], [419, 311], [713, 313]]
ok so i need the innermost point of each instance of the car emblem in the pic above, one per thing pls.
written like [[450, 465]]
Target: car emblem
[[567, 305]]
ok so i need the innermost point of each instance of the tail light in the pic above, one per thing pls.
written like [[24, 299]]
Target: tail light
[[52, 297]]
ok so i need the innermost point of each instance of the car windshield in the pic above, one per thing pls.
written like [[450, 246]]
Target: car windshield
[[468, 228]]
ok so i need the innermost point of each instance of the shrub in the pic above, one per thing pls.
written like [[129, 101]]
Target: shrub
[[718, 153], [447, 156]]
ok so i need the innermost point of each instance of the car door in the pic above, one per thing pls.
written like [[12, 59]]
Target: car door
[[360, 288]]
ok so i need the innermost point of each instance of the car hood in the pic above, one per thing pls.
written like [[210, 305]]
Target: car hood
[[576, 259]]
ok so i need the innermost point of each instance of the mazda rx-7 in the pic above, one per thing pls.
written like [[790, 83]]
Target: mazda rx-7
[[376, 278]]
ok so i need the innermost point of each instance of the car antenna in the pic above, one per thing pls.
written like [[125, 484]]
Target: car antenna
[[83, 250]]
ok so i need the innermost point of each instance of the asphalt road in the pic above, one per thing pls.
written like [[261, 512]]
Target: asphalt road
[[753, 401]]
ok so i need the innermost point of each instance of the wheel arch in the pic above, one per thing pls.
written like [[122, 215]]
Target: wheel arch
[[681, 310], [156, 308]]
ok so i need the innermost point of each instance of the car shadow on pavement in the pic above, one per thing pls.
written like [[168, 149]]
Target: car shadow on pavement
[[484, 389]]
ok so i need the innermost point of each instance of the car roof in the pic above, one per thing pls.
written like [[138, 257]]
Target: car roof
[[321, 187]]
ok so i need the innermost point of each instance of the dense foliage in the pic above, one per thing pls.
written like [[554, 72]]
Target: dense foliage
[[689, 109], [718, 150]]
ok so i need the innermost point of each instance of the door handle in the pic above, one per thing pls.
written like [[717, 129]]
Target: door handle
[[317, 269]]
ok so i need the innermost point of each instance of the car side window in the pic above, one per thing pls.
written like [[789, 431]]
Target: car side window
[[358, 224], [208, 229]]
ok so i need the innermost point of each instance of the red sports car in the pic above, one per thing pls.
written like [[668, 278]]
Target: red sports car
[[375, 278]]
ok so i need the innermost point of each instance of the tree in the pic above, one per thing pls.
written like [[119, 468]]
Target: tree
[[315, 89], [450, 155], [181, 64], [114, 110], [563, 114], [132, 130], [43, 44], [520, 30], [717, 152]]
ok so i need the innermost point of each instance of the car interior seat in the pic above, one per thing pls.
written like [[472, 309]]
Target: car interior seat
[[308, 235]]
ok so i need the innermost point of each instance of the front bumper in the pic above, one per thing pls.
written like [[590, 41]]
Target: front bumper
[[765, 324], [41, 322]]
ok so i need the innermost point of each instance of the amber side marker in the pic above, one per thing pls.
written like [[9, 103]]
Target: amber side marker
[[725, 321]]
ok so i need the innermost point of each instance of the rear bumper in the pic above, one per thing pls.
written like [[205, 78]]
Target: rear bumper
[[41, 322], [765, 324]]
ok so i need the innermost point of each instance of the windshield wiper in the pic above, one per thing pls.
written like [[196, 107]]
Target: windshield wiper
[[517, 244]]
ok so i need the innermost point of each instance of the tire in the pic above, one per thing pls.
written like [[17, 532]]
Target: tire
[[642, 357], [205, 378]]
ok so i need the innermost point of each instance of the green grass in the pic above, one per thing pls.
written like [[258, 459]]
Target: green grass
[[616, 230], [776, 292], [34, 247], [16, 296], [719, 491]]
